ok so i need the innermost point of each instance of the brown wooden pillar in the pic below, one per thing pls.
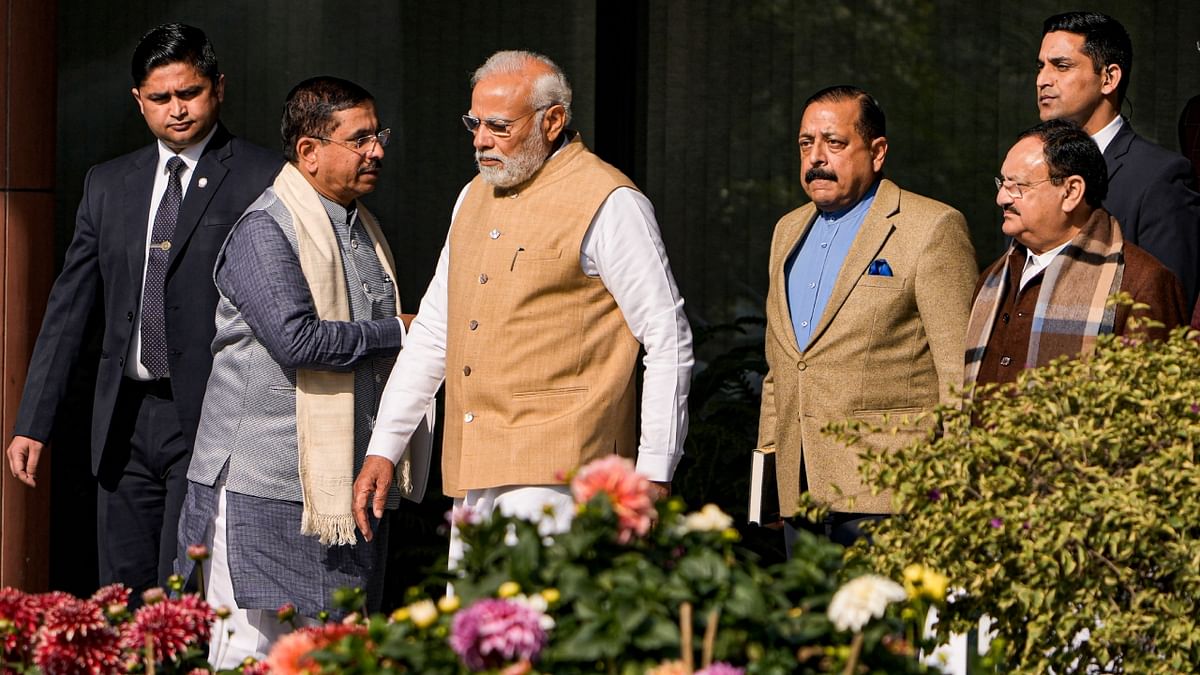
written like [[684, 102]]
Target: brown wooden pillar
[[27, 140]]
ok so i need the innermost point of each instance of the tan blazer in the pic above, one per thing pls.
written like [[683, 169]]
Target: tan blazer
[[884, 345]]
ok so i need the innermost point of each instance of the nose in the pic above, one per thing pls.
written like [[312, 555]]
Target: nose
[[1044, 76], [375, 151], [482, 139], [816, 154], [178, 108], [1003, 199]]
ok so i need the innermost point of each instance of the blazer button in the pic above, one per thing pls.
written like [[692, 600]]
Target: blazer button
[[800, 365], [1004, 318], [121, 361], [129, 316], [1005, 360], [483, 278], [466, 370], [473, 324], [468, 418]]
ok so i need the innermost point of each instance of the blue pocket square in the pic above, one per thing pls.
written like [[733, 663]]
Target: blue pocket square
[[879, 268]]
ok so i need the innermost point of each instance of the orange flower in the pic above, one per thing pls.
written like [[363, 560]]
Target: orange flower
[[289, 656], [627, 490]]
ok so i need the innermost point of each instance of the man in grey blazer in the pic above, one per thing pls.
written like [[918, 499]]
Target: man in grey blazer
[[307, 329], [870, 289], [1084, 69]]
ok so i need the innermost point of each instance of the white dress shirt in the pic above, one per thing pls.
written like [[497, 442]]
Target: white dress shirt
[[1036, 263], [190, 156], [624, 249], [1108, 133]]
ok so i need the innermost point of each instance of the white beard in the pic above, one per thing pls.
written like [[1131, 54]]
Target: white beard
[[518, 168]]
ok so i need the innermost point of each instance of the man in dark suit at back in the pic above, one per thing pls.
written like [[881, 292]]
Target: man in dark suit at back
[[1084, 69], [146, 234]]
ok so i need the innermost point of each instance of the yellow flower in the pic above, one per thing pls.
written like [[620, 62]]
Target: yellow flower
[[923, 582], [400, 615], [508, 589], [449, 604], [551, 595], [423, 613]]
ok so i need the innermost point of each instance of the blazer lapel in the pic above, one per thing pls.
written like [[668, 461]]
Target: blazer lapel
[[139, 184], [874, 232], [1114, 154], [780, 312], [205, 180]]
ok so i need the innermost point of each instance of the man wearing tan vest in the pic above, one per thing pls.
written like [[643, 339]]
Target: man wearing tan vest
[[552, 277]]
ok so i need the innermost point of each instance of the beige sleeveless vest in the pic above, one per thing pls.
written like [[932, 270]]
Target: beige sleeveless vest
[[539, 359]]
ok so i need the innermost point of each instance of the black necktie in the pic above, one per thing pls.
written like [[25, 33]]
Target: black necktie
[[154, 325]]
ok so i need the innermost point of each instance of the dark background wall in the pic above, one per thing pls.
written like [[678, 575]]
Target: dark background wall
[[697, 100]]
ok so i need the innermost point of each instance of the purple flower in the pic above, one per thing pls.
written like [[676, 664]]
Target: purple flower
[[491, 633], [1196, 408], [935, 495], [721, 668], [996, 523]]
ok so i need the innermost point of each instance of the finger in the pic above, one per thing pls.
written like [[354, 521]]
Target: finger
[[381, 494], [31, 463], [16, 461], [360, 511]]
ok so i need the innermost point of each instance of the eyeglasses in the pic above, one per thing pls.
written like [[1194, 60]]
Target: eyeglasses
[[500, 128], [1015, 190], [362, 142]]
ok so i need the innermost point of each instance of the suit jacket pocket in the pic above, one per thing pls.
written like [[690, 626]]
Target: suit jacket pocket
[[880, 281]]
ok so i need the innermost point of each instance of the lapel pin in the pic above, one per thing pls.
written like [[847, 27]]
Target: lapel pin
[[202, 182]]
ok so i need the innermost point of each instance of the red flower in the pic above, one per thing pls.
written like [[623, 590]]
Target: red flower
[[627, 490], [23, 615], [75, 638], [172, 625], [112, 594]]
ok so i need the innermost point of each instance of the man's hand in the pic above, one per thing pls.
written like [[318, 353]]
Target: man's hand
[[23, 455], [374, 479], [659, 491]]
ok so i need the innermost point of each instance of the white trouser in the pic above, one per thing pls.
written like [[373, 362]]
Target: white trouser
[[550, 506], [247, 632]]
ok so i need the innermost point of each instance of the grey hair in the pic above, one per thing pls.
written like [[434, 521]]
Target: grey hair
[[548, 89]]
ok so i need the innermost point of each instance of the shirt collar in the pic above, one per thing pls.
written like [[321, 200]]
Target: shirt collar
[[339, 214], [190, 155], [1108, 133]]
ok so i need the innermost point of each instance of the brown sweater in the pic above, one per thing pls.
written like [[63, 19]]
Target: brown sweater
[[1144, 277]]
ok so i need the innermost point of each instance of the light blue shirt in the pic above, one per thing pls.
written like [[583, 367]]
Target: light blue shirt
[[817, 261]]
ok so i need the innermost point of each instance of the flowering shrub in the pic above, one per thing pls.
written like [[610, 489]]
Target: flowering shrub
[[1067, 502], [631, 590], [60, 634]]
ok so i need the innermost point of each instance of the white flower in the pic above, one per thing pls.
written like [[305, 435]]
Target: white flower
[[423, 613], [862, 598], [538, 604], [708, 519]]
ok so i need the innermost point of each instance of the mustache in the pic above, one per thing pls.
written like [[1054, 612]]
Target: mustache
[[373, 165], [480, 156], [1010, 208], [819, 173]]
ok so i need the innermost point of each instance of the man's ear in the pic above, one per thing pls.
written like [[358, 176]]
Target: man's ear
[[1073, 188], [137, 96], [306, 154], [1111, 78], [554, 121], [879, 148]]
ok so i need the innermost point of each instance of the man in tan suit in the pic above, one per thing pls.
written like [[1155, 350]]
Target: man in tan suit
[[870, 289], [552, 278]]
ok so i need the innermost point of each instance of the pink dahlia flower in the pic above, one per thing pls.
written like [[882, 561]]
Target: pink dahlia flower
[[721, 668], [627, 490], [75, 638], [112, 594], [172, 626], [492, 633], [25, 615]]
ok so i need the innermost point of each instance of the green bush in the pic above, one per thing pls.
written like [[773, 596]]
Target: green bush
[[1066, 502]]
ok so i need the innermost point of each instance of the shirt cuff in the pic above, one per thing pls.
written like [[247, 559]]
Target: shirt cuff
[[657, 468]]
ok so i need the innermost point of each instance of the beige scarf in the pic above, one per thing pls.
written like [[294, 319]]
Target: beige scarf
[[325, 399]]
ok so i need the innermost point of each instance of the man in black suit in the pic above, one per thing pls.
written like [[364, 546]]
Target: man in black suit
[[1084, 67], [146, 235]]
